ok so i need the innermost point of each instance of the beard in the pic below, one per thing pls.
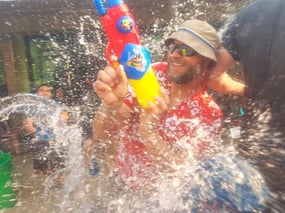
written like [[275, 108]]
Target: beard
[[185, 77], [182, 79]]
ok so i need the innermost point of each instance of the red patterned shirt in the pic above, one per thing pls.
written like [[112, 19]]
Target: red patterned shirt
[[195, 120]]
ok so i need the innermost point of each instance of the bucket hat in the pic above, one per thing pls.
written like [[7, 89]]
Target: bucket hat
[[199, 35]]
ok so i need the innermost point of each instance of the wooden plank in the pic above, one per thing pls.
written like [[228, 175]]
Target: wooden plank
[[8, 59]]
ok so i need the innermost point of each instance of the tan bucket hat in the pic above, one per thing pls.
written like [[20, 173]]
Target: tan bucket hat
[[199, 35]]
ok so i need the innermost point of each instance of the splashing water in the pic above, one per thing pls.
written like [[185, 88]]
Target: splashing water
[[67, 144], [222, 182], [219, 182]]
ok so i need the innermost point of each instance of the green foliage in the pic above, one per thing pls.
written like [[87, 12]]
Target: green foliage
[[44, 58]]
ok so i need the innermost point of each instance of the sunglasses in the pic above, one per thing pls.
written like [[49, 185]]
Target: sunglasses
[[182, 49]]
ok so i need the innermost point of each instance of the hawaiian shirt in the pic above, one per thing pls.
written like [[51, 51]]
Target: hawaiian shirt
[[196, 118]]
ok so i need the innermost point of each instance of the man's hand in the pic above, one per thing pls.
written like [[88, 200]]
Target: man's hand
[[111, 86], [150, 117]]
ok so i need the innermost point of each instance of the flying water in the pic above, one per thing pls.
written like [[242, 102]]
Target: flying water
[[219, 181], [65, 145], [222, 181]]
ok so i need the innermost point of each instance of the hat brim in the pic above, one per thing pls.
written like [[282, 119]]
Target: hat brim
[[193, 42]]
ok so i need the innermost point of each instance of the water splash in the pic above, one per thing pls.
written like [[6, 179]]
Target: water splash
[[184, 189], [67, 143], [219, 182]]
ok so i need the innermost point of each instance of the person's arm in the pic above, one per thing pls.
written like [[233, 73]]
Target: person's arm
[[29, 126], [106, 125], [157, 149], [111, 87], [219, 80], [107, 121], [225, 84]]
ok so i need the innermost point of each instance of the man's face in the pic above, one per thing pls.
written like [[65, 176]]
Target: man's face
[[182, 69], [45, 91]]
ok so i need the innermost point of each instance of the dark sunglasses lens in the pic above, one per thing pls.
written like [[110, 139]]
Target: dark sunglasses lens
[[183, 50], [186, 51]]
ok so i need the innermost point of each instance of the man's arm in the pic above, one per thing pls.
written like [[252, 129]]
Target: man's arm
[[107, 122], [225, 84], [111, 87], [106, 125], [219, 80], [159, 150]]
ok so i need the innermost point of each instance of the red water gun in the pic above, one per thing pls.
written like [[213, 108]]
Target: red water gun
[[123, 41], [118, 24]]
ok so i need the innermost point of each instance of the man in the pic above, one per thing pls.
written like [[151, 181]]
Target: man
[[183, 82], [179, 128], [255, 38]]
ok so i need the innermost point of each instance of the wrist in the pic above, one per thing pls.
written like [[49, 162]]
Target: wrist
[[112, 108]]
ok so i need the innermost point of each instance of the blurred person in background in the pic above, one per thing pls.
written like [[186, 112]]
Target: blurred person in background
[[255, 38], [41, 134]]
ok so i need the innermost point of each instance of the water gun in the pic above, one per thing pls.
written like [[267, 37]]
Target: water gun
[[123, 41]]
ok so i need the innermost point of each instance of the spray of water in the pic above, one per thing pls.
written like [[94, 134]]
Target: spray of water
[[66, 143], [220, 180]]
